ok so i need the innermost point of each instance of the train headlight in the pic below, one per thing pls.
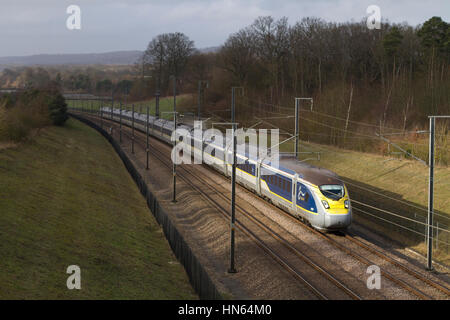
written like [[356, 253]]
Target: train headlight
[[346, 204], [325, 204]]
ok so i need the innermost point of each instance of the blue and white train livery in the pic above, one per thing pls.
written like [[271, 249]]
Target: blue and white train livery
[[313, 194]]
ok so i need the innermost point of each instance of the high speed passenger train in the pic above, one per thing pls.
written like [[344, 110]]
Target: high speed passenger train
[[313, 194]]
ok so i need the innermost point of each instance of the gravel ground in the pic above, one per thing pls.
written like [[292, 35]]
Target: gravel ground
[[208, 235]]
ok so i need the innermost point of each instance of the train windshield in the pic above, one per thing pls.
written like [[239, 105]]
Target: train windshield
[[332, 191]]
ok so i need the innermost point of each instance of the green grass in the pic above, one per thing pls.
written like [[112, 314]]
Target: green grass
[[165, 105], [66, 199]]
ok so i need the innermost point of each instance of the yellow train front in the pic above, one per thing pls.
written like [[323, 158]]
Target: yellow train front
[[321, 197]]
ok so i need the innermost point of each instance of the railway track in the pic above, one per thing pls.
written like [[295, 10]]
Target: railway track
[[284, 256], [267, 229], [286, 260]]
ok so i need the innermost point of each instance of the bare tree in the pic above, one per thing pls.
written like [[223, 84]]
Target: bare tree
[[237, 55]]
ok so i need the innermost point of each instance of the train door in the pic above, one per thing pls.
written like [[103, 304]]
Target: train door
[[294, 195]]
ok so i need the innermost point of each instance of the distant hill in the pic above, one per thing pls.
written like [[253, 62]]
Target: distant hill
[[117, 58], [209, 50], [107, 58]]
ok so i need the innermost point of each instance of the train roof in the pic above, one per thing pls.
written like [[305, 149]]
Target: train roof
[[315, 175], [289, 164]]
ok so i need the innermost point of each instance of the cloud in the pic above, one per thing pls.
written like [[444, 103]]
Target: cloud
[[31, 27]]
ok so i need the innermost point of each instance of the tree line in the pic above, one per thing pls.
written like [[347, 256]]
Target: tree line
[[394, 76], [390, 74]]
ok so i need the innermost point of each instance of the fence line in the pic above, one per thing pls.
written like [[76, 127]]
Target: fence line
[[197, 274]]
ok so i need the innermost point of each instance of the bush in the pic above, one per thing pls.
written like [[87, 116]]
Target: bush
[[58, 109], [22, 112]]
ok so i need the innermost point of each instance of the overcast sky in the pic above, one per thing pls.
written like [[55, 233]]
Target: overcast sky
[[39, 26]]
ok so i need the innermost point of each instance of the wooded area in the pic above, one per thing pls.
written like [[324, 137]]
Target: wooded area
[[393, 77]]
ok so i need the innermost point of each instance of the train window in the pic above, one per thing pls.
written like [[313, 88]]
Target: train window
[[332, 191]]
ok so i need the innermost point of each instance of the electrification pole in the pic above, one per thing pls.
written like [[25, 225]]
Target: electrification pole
[[174, 165], [431, 189], [147, 150], [120, 122], [232, 268], [431, 195], [101, 113], [297, 124], [174, 168], [157, 104], [112, 102], [132, 129], [174, 143], [297, 102], [201, 96]]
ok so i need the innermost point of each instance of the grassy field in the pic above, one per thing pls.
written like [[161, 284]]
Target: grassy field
[[66, 199], [165, 105]]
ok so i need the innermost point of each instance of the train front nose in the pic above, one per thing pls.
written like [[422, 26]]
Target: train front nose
[[336, 221]]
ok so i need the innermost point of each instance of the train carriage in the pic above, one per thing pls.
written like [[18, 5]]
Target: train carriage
[[313, 194]]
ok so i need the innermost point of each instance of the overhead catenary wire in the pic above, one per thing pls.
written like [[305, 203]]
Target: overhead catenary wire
[[327, 115], [397, 215], [398, 225], [360, 136], [379, 136], [406, 218], [383, 195], [338, 118], [340, 129]]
